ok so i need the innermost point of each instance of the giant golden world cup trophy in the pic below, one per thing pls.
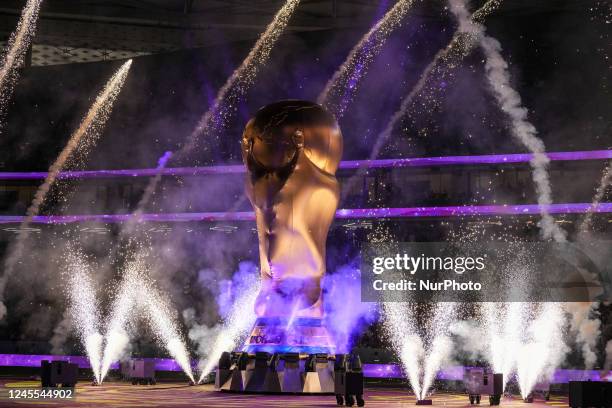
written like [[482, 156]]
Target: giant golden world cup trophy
[[291, 150]]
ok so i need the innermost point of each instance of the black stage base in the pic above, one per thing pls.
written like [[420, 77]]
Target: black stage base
[[291, 373]]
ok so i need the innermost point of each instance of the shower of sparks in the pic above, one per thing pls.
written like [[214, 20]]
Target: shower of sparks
[[79, 145], [159, 315], [439, 68], [236, 86], [17, 47], [509, 100], [122, 310], [235, 327], [541, 354], [421, 358], [400, 329], [85, 137], [441, 345], [341, 88], [526, 339], [84, 307], [503, 325], [606, 180], [150, 189], [228, 97], [138, 297]]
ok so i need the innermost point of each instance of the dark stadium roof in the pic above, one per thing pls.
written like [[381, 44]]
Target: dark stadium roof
[[96, 30]]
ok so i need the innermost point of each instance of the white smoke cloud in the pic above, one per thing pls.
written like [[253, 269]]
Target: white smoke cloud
[[600, 192], [608, 364], [202, 335], [61, 332], [498, 76], [587, 329], [470, 338]]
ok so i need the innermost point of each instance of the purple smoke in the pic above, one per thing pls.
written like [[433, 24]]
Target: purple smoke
[[345, 314], [161, 163]]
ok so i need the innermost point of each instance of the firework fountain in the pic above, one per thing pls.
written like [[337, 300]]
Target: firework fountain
[[401, 329], [137, 296], [159, 316], [503, 327], [421, 357], [84, 307], [79, 145], [343, 85], [441, 346], [117, 337], [235, 326], [542, 350], [117, 330], [421, 364], [14, 55]]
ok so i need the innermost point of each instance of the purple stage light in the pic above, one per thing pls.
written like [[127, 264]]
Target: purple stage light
[[470, 210], [33, 360], [453, 373], [352, 213], [475, 159], [345, 165]]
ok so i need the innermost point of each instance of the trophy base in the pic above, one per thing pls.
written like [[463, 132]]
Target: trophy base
[[286, 373], [283, 335], [291, 373], [284, 356]]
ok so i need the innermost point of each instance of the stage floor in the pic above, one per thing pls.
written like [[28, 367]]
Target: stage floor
[[115, 394]]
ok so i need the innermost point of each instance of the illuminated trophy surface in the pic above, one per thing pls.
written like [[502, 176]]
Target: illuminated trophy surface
[[291, 150]]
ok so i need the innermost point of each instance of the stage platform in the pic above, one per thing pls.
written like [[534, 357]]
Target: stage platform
[[169, 395]]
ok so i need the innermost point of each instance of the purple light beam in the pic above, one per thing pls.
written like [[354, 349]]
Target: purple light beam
[[345, 165], [369, 370], [352, 213]]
